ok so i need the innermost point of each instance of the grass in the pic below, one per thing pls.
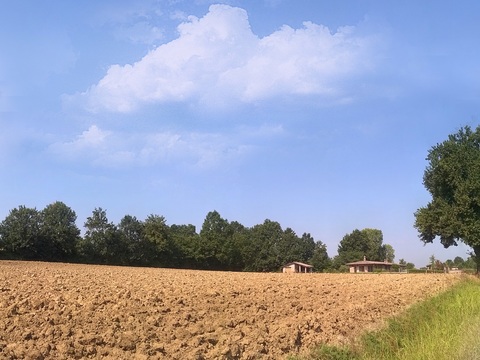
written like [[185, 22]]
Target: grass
[[443, 327]]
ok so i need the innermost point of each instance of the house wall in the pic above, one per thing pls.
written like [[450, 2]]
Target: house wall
[[295, 268], [305, 269], [368, 268]]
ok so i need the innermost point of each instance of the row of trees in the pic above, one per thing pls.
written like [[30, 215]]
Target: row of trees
[[458, 262], [52, 235]]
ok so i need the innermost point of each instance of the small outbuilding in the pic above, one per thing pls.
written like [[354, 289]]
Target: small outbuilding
[[297, 267], [367, 266]]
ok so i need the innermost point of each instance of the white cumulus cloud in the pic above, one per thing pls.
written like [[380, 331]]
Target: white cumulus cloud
[[217, 59]]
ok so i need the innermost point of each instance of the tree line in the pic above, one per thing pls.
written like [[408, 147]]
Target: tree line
[[51, 234]]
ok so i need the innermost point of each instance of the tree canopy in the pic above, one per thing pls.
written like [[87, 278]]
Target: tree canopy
[[452, 178], [363, 243], [52, 235], [20, 233], [59, 231]]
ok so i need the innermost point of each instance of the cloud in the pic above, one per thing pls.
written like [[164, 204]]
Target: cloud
[[93, 138], [94, 144], [114, 150], [217, 60]]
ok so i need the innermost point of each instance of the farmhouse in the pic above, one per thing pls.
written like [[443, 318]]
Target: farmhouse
[[367, 266], [297, 267]]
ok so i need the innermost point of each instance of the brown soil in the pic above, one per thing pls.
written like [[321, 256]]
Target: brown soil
[[64, 311]]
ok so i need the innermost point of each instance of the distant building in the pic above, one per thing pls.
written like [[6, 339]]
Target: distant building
[[367, 266], [454, 270], [297, 267]]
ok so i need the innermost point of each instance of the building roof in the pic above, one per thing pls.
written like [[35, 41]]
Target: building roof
[[367, 262], [298, 263]]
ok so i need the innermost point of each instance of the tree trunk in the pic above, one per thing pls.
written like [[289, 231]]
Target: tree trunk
[[476, 253]]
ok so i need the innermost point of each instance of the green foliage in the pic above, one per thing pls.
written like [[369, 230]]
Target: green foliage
[[59, 232], [102, 242], [20, 233], [139, 251], [388, 252], [320, 259], [50, 234], [452, 179], [216, 244], [157, 236], [433, 329], [306, 247], [470, 263], [432, 260], [221, 245], [374, 249], [458, 261], [410, 266], [238, 241], [363, 243], [186, 242], [352, 247], [439, 266], [263, 253], [329, 352], [288, 247]]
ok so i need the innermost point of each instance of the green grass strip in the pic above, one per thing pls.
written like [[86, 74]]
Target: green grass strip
[[446, 326]]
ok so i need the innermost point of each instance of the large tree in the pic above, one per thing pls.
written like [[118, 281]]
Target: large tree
[[20, 234], [185, 239], [140, 251], [294, 248], [157, 233], [320, 259], [363, 243], [388, 252], [452, 178], [352, 247], [59, 232], [102, 242], [216, 247], [263, 251]]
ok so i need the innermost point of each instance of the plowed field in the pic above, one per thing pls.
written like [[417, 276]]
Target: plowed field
[[64, 311]]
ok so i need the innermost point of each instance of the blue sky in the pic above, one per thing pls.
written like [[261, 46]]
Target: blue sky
[[316, 114]]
